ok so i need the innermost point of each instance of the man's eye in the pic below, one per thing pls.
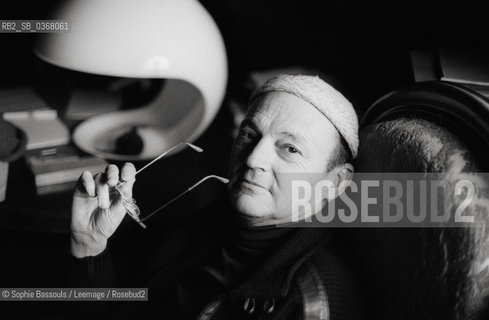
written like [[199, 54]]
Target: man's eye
[[245, 134], [291, 149]]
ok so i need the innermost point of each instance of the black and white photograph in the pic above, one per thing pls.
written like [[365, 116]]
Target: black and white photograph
[[209, 159]]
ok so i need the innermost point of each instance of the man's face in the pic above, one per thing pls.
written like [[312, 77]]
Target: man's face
[[280, 135]]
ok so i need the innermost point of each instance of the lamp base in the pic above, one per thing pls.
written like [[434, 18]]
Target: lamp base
[[175, 115]]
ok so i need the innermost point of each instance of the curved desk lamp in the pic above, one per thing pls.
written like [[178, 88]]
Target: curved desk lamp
[[172, 39]]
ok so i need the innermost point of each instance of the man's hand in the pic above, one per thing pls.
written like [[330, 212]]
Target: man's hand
[[97, 209]]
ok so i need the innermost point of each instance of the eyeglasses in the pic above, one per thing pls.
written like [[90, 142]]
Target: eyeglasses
[[130, 203]]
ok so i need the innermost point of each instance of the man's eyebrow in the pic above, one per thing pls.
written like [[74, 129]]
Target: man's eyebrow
[[294, 136], [249, 123], [297, 137]]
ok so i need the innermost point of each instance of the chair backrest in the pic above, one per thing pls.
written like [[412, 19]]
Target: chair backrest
[[427, 273]]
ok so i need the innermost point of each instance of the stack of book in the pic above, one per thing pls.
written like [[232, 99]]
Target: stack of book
[[42, 127], [57, 169], [55, 163]]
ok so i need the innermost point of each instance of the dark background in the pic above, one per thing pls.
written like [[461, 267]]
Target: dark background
[[364, 48]]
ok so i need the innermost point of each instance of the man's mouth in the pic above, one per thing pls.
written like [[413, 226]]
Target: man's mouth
[[247, 182]]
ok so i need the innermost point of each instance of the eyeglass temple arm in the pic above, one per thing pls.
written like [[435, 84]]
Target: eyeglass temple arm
[[221, 179], [194, 147], [134, 216]]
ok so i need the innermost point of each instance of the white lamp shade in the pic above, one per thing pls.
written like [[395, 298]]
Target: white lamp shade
[[173, 39]]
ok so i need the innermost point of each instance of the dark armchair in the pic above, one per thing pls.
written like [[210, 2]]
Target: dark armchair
[[427, 273]]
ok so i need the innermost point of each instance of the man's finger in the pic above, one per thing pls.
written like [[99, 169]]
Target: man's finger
[[102, 190], [85, 184], [128, 176], [112, 175]]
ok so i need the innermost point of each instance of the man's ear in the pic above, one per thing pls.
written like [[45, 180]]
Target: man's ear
[[340, 177]]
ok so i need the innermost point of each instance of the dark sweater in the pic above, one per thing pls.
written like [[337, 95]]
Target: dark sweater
[[223, 259]]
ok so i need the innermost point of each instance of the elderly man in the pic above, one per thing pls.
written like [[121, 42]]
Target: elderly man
[[242, 265]]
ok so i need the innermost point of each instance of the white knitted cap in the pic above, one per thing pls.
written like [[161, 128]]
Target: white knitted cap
[[330, 102]]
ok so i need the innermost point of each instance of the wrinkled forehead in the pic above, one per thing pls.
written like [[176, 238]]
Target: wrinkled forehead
[[281, 103], [272, 105], [286, 112]]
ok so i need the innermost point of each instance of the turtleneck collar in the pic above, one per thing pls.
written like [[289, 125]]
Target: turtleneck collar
[[258, 239], [243, 249]]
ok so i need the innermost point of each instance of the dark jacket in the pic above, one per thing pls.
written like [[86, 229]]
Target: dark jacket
[[302, 279]]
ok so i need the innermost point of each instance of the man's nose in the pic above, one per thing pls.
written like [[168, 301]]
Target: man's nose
[[261, 155]]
